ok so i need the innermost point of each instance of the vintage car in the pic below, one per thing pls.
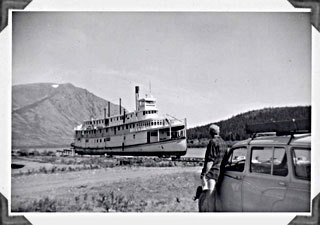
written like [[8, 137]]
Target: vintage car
[[266, 174]]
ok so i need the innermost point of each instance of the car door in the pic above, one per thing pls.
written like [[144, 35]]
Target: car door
[[299, 186], [229, 189], [265, 184]]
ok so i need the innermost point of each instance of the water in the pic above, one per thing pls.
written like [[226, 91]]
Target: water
[[42, 149], [196, 152]]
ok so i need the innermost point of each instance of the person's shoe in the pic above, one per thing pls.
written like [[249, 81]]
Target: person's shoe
[[198, 193]]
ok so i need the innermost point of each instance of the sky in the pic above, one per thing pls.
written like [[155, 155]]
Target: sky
[[204, 66]]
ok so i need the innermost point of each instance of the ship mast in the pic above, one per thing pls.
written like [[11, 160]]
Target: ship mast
[[137, 98]]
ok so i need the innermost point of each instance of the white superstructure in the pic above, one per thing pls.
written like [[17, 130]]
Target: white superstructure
[[142, 132]]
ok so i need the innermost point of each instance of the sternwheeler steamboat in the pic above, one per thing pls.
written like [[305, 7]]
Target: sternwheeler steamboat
[[142, 132]]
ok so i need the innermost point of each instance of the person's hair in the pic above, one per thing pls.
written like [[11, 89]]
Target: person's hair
[[214, 129]]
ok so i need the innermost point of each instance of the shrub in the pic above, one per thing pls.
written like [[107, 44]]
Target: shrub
[[119, 203]]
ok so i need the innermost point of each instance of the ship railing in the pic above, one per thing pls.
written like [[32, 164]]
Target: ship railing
[[173, 118]]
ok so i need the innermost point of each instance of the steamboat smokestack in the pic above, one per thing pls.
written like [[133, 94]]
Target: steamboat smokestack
[[120, 106], [108, 109], [137, 98]]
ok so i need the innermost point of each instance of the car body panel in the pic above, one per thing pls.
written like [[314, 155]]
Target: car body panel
[[263, 192], [232, 183]]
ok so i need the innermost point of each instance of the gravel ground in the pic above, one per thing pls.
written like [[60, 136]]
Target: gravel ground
[[118, 189]]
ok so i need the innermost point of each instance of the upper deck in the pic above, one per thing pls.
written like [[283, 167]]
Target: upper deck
[[144, 117]]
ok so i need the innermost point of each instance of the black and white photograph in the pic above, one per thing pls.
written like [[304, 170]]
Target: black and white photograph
[[161, 112]]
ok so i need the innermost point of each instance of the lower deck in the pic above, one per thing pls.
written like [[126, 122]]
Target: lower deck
[[177, 147]]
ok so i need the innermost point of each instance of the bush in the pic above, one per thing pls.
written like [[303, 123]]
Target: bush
[[119, 203]]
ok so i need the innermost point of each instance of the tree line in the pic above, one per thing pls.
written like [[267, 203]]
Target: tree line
[[235, 128]]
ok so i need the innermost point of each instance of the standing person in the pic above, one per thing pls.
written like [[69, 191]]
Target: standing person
[[215, 152]]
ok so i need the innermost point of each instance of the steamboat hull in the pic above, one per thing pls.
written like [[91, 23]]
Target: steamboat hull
[[176, 147]]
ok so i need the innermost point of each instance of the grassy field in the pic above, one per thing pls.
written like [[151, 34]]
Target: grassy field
[[108, 185]]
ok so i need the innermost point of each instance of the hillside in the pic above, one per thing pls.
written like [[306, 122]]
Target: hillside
[[234, 128], [45, 114]]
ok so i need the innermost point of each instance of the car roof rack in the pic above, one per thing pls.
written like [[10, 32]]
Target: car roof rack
[[287, 127]]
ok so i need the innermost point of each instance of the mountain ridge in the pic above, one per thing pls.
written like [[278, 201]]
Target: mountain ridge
[[45, 114]]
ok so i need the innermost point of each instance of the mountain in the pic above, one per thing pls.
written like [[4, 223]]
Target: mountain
[[234, 128], [45, 114]]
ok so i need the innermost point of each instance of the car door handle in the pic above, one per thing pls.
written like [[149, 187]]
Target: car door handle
[[282, 183], [234, 176]]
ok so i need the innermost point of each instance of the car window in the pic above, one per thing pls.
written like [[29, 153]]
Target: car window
[[302, 163], [269, 160], [236, 159], [280, 165]]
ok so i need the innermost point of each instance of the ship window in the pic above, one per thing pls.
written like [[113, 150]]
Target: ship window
[[123, 127], [134, 136], [87, 140], [144, 112], [108, 139], [118, 127], [158, 122], [154, 134], [127, 126]]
